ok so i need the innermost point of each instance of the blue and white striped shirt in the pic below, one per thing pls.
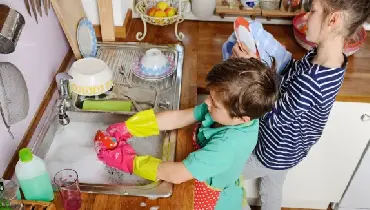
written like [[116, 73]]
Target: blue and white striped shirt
[[307, 94]]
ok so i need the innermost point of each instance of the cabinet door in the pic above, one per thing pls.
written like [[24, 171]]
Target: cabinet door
[[324, 174], [357, 193]]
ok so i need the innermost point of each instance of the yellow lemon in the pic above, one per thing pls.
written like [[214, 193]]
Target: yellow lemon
[[151, 11], [162, 5], [170, 11], [159, 14]]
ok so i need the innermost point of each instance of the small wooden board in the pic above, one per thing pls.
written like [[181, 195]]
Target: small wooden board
[[35, 205], [69, 13], [106, 20], [120, 31]]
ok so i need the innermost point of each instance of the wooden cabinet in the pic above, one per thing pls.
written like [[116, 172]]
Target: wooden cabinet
[[323, 175]]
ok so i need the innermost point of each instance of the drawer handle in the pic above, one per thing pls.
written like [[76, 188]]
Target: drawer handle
[[365, 117]]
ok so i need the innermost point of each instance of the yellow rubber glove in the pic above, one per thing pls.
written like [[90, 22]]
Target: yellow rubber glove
[[124, 158], [143, 124], [146, 167]]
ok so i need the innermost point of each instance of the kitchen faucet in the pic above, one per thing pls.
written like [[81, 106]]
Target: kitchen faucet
[[64, 101]]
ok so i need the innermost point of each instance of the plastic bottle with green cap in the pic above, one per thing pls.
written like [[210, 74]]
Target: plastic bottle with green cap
[[33, 177]]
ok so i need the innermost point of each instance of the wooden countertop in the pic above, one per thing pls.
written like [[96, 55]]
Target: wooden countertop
[[211, 36], [207, 39]]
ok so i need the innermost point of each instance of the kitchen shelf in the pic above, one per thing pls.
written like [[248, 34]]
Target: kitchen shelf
[[279, 13], [238, 10], [282, 11]]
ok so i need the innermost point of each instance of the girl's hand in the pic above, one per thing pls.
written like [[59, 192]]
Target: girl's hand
[[240, 50]]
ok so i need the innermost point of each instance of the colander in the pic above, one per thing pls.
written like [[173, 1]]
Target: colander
[[14, 100]]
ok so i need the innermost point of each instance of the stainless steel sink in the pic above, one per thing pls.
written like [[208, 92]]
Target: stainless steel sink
[[71, 146]]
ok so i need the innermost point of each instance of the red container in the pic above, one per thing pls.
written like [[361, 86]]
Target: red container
[[351, 46]]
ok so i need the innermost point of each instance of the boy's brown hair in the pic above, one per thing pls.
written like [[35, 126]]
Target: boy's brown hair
[[246, 87]]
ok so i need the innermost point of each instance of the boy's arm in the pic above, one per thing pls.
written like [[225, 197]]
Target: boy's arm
[[147, 123], [171, 120], [173, 172], [206, 162], [212, 159]]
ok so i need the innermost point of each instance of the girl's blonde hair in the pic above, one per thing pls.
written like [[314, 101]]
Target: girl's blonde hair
[[355, 12]]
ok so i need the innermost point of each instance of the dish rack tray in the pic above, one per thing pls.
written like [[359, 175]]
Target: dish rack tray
[[120, 59]]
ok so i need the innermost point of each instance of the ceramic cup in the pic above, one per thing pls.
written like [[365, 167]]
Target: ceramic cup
[[154, 62]]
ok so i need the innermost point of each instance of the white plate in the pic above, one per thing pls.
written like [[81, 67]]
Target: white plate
[[241, 27], [86, 38]]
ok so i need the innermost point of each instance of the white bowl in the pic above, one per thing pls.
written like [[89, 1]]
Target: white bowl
[[91, 77], [154, 62]]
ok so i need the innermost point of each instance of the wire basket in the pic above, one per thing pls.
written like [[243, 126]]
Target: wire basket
[[143, 6]]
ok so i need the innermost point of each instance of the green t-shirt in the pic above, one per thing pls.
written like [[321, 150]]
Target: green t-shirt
[[222, 156]]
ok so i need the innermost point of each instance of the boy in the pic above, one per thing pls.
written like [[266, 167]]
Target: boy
[[241, 91]]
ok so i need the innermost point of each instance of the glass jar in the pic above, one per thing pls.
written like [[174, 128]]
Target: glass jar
[[291, 5], [270, 4]]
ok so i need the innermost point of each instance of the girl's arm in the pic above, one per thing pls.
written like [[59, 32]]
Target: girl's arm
[[171, 120], [267, 47]]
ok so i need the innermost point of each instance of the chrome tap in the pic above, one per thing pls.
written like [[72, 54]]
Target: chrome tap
[[64, 101]]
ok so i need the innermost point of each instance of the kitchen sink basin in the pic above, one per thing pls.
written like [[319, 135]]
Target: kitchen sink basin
[[71, 146]]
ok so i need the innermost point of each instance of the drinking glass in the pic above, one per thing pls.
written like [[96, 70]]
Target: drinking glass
[[67, 182]]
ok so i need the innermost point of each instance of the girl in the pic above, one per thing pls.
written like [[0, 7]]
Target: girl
[[307, 92]]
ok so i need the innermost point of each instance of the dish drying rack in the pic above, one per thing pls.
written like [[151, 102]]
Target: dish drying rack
[[143, 6], [143, 93], [27, 204], [121, 60]]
